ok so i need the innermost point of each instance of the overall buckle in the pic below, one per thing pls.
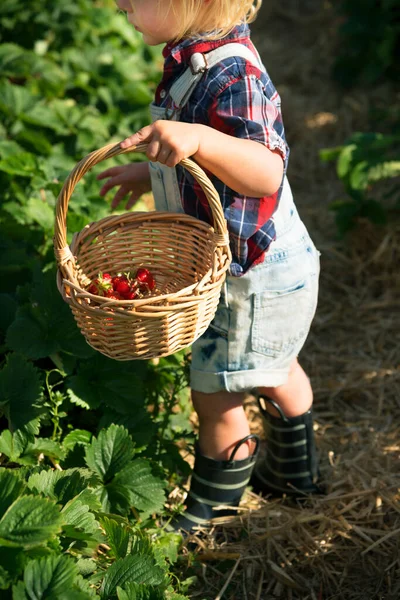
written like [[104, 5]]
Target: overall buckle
[[198, 63]]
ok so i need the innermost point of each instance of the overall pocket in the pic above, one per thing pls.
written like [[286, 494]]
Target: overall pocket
[[282, 318]]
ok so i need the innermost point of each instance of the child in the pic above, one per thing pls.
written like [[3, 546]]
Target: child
[[216, 104]]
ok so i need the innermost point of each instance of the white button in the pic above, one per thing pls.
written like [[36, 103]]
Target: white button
[[163, 93]]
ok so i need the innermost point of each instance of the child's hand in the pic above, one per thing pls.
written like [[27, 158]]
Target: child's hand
[[133, 179], [168, 141]]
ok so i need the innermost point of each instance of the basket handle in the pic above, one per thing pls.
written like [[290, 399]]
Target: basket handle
[[62, 251]]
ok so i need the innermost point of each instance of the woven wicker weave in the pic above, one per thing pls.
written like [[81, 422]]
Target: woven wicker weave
[[188, 258]]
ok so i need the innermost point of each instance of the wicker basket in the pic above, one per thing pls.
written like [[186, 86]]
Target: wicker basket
[[188, 258]]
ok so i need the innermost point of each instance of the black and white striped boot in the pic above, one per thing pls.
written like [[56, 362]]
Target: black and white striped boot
[[289, 464], [215, 483]]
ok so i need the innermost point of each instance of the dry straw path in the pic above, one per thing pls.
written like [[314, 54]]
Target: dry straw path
[[345, 545]]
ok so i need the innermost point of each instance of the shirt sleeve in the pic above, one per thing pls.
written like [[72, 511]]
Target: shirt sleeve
[[247, 109]]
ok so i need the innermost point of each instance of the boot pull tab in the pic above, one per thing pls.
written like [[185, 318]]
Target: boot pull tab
[[274, 404], [253, 437]]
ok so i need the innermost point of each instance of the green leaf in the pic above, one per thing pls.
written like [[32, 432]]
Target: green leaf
[[60, 485], [77, 436], [46, 447], [139, 424], [9, 55], [15, 99], [173, 596], [345, 161], [45, 481], [135, 569], [138, 93], [49, 577], [23, 164], [21, 389], [86, 566], [107, 454], [13, 444], [76, 400], [35, 140], [169, 545], [83, 585], [29, 521], [117, 536], [115, 499], [41, 213], [75, 482], [330, 154], [45, 325], [19, 591], [28, 337], [103, 380], [135, 591], [9, 147], [44, 114], [78, 517], [145, 491], [11, 487], [387, 169], [358, 177], [5, 579]]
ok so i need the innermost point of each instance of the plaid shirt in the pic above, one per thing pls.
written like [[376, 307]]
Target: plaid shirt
[[238, 99]]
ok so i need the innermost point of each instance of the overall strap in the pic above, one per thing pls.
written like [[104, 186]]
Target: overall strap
[[182, 89]]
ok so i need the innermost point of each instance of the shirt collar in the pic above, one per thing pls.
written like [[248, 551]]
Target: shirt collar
[[182, 50]]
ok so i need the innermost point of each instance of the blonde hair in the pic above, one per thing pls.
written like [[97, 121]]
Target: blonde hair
[[213, 19]]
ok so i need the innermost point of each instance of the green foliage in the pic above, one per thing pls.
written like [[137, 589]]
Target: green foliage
[[29, 521], [55, 511], [369, 41], [365, 160], [87, 444]]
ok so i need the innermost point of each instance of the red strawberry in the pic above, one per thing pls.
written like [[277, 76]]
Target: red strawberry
[[146, 279], [132, 295], [93, 289], [112, 294], [123, 287], [101, 285], [120, 277]]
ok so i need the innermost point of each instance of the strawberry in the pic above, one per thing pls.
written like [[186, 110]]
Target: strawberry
[[131, 295], [93, 289], [101, 285], [145, 279], [117, 278], [123, 287], [112, 294]]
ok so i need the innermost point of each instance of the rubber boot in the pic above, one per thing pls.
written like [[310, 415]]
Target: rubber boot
[[290, 463], [215, 483]]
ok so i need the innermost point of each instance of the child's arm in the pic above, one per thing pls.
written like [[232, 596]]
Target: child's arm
[[246, 166]]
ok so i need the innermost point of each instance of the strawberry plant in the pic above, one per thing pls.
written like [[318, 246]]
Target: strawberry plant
[[88, 447], [363, 162], [74, 533]]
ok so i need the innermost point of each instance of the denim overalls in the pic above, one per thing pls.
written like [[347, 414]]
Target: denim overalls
[[264, 316]]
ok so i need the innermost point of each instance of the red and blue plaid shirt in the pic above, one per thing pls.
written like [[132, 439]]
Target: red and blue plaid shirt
[[238, 99]]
